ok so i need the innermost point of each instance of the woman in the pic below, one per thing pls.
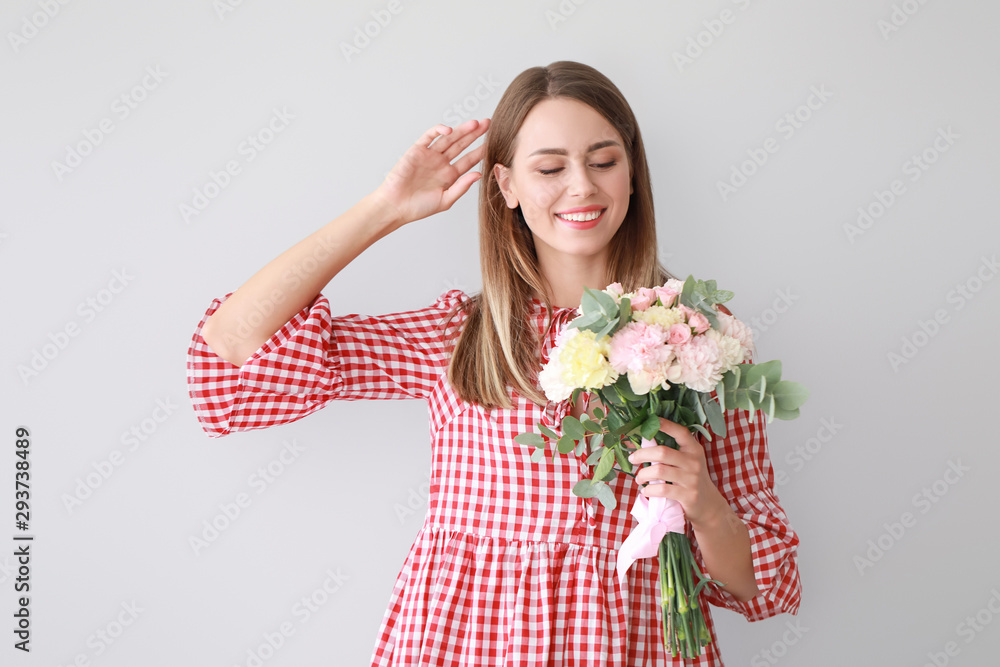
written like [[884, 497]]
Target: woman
[[509, 566]]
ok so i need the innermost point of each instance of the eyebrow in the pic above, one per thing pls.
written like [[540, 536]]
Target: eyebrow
[[590, 149]]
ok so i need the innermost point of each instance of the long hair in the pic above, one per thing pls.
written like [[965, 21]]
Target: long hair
[[499, 345]]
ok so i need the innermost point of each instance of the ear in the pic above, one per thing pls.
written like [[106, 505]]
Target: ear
[[502, 176]]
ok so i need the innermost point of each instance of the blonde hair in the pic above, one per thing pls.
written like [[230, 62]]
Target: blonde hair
[[499, 344]]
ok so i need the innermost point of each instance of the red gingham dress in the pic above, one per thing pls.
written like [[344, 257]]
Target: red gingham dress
[[509, 567]]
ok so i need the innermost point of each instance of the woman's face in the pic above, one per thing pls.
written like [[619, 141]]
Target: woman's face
[[571, 177]]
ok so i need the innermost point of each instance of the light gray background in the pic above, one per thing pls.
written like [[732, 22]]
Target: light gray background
[[831, 307]]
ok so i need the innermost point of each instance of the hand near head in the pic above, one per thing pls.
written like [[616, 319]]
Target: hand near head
[[425, 181]]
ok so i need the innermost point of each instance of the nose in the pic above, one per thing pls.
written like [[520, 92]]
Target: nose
[[580, 183]]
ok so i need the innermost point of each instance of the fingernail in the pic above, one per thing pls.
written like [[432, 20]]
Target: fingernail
[[631, 457]]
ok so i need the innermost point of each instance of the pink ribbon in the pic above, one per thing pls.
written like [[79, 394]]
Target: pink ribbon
[[656, 516]]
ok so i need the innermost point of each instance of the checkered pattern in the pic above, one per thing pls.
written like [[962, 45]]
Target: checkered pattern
[[509, 567]]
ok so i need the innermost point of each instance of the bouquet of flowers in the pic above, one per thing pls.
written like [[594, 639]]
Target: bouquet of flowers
[[657, 352]]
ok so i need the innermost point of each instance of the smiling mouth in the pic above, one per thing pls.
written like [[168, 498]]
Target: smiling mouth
[[581, 217]]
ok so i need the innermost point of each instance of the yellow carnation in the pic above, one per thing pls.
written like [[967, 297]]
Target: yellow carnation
[[665, 317], [585, 362]]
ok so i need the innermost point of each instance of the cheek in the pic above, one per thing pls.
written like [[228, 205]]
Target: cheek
[[542, 195], [617, 186]]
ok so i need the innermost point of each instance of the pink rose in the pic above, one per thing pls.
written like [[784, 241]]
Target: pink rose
[[688, 312], [699, 323], [644, 298], [679, 334], [615, 289], [666, 295]]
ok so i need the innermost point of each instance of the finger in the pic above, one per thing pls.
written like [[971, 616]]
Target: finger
[[663, 491], [658, 454], [428, 137], [679, 433], [655, 473], [471, 159], [459, 188], [442, 140], [464, 137]]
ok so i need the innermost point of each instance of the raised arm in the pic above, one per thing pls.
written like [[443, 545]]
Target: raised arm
[[422, 183]]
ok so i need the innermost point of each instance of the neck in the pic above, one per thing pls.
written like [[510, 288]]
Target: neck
[[566, 279]]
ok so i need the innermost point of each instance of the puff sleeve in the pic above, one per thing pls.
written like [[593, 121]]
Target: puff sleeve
[[316, 358], [741, 468]]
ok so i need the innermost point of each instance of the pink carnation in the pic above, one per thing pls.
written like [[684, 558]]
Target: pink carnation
[[615, 289], [737, 329], [639, 346], [699, 364]]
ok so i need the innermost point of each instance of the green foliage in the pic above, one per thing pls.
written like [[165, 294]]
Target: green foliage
[[702, 296], [756, 387], [530, 439], [572, 427]]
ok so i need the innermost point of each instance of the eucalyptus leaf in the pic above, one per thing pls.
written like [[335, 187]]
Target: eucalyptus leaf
[[623, 461], [701, 429], [720, 392], [624, 310], [596, 441], [781, 413], [606, 496], [530, 439], [581, 448], [599, 413], [591, 426], [595, 456], [572, 427], [722, 295], [607, 303], [589, 303], [716, 418], [565, 444], [537, 455], [585, 488], [584, 321], [789, 395], [771, 370], [606, 462], [699, 408], [548, 432], [731, 381], [608, 329], [687, 291]]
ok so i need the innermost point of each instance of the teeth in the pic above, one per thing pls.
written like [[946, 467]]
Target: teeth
[[580, 217]]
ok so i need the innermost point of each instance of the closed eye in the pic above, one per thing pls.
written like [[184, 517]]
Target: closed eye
[[605, 165]]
